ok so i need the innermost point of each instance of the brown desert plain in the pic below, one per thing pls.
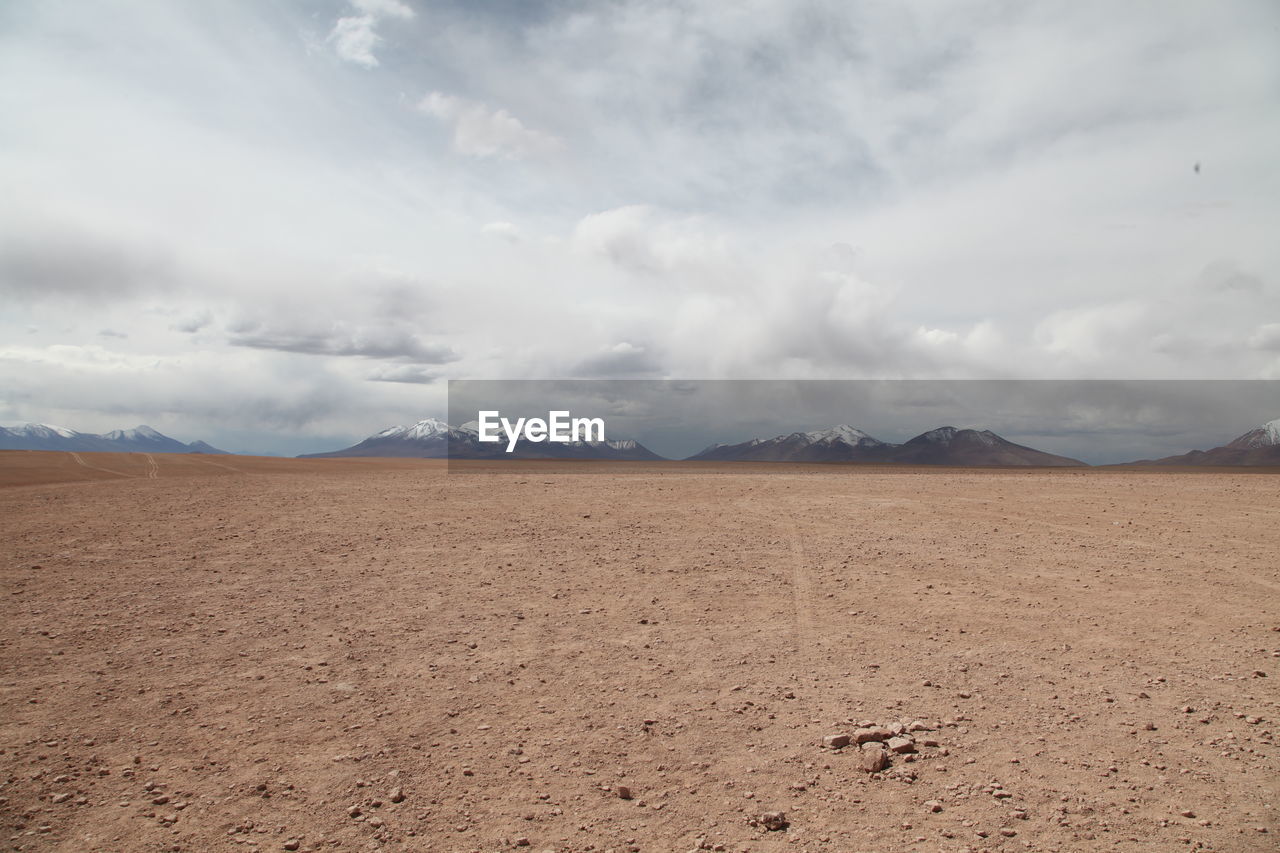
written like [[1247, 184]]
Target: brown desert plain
[[228, 653]]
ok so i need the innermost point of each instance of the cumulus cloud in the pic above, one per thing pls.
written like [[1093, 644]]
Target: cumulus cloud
[[481, 131], [639, 238], [354, 37]]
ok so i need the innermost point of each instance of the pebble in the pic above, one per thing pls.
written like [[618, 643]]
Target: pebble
[[397, 795], [835, 741], [623, 792], [774, 821], [933, 806]]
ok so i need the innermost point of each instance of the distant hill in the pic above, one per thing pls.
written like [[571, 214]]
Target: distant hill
[[1257, 447], [950, 446], [434, 439], [942, 446], [140, 439]]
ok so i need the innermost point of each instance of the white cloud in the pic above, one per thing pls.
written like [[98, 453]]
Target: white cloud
[[481, 131], [1267, 337], [505, 230], [355, 37]]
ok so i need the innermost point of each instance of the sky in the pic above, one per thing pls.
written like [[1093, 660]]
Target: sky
[[282, 226]]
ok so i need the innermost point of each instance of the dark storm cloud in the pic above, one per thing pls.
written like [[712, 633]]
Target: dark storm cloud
[[409, 374], [66, 262], [1225, 276], [375, 342], [621, 361]]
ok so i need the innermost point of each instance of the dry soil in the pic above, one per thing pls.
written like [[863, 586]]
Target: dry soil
[[220, 653]]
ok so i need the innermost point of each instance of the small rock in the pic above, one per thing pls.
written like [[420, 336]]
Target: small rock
[[902, 745], [1187, 813], [1008, 832], [871, 735], [61, 798], [774, 821], [292, 844], [397, 795], [874, 760], [354, 811], [933, 806], [623, 792], [835, 741]]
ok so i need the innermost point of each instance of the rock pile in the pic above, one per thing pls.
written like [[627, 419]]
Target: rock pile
[[879, 743]]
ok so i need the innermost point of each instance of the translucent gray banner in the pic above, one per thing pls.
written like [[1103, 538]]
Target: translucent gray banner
[[1019, 423]]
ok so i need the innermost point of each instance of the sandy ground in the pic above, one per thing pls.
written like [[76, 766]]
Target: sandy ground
[[220, 653]]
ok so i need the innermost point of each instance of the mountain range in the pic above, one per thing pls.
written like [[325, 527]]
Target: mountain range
[[140, 439], [942, 446], [434, 439]]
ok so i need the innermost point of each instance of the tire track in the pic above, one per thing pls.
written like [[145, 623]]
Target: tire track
[[80, 459], [153, 467], [801, 584], [217, 464]]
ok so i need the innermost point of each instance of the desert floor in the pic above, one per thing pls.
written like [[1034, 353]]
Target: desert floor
[[220, 653]]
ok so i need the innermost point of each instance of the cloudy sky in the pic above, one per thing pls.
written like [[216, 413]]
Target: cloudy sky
[[280, 226]]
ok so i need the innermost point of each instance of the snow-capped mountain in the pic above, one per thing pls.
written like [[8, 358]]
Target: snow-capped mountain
[[942, 446], [426, 439], [1267, 435], [1257, 447], [841, 443], [140, 439], [422, 430], [432, 438]]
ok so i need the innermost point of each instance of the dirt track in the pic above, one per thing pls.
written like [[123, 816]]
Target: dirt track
[[238, 653]]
